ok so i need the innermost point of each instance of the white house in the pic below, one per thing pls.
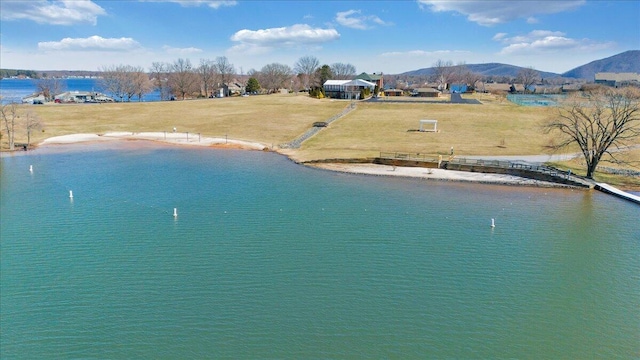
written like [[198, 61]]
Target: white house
[[82, 96], [346, 89]]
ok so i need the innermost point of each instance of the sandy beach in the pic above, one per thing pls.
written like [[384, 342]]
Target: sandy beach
[[184, 139], [435, 174], [178, 138]]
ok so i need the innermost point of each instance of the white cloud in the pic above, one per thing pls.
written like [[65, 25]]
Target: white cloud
[[360, 22], [488, 13], [532, 20], [541, 41], [181, 51], [64, 12], [264, 40], [214, 4], [91, 43], [499, 36]]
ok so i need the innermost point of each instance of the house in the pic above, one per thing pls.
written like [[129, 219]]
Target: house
[[229, 89], [346, 89], [393, 92], [377, 79], [81, 97], [617, 79], [425, 92], [37, 98]]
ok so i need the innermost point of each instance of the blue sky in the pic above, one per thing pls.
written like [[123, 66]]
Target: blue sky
[[375, 36]]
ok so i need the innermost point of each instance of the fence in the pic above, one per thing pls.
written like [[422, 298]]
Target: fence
[[520, 165], [407, 156], [535, 99]]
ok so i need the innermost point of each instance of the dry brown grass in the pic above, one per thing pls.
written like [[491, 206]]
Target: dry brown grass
[[267, 119], [494, 128]]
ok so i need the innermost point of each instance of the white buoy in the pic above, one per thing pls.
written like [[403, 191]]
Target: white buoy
[[30, 168], [70, 194], [175, 212], [493, 223]]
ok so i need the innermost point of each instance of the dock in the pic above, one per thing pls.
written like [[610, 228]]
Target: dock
[[606, 188]]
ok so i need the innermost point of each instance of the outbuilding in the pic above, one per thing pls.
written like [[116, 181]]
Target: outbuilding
[[426, 92]]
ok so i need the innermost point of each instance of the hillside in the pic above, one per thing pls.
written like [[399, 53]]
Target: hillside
[[490, 69], [628, 61]]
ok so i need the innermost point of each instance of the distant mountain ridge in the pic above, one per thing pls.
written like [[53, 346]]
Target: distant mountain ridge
[[628, 61], [490, 69]]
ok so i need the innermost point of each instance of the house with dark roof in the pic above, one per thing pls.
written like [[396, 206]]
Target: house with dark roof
[[377, 79]]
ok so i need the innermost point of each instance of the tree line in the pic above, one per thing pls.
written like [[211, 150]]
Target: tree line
[[181, 79]]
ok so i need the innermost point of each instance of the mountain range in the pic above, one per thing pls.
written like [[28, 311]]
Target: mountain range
[[628, 61]]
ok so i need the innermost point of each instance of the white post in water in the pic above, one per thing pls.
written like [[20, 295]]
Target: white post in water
[[175, 212], [70, 194], [30, 168], [493, 223]]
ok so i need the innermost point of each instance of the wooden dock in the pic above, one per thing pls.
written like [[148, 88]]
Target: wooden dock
[[606, 188]]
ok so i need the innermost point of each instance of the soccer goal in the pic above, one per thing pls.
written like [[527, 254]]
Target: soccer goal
[[429, 123]]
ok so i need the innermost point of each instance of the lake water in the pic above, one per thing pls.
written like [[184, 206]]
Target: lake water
[[13, 90], [269, 259]]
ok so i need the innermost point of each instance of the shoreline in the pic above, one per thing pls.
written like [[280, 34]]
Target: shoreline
[[187, 139]]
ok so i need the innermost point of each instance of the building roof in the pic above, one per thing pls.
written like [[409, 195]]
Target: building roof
[[336, 82], [354, 82], [369, 77], [604, 76], [427, 90]]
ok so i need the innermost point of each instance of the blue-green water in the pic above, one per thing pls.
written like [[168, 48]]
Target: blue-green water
[[269, 259]]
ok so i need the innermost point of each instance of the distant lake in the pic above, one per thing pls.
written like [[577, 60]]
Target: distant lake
[[269, 259], [13, 90]]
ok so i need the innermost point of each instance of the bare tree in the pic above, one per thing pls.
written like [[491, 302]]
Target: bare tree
[[182, 78], [31, 123], [343, 71], [468, 77], [443, 73], [598, 121], [141, 83], [50, 87], [125, 81], [207, 73], [114, 81], [527, 77], [274, 76], [306, 67], [9, 114], [224, 69], [159, 77]]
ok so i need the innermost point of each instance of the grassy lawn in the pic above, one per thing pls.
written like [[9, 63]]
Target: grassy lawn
[[493, 128], [267, 119], [496, 127]]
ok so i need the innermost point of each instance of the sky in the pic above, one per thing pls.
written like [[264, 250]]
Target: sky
[[389, 37]]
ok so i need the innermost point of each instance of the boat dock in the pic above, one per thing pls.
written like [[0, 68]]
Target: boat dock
[[606, 188]]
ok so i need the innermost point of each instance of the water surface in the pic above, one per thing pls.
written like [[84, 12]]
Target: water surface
[[268, 259]]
